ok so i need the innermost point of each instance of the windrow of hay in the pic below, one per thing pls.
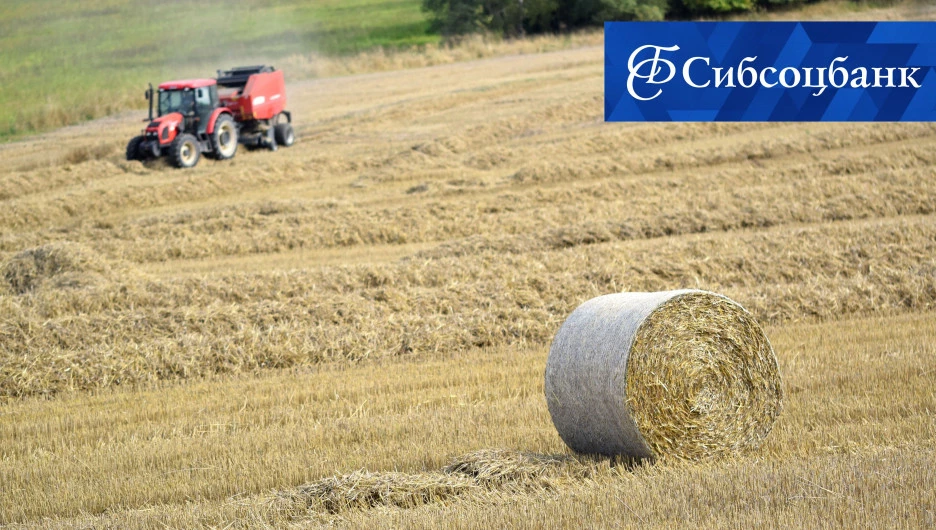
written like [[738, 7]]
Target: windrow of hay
[[61, 265], [497, 466], [620, 208], [134, 332], [686, 374], [481, 473], [50, 196], [363, 490]]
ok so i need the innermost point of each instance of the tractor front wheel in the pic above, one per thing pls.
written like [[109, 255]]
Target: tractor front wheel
[[283, 132], [184, 152], [224, 138], [133, 148]]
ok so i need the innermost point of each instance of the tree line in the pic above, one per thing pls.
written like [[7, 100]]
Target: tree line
[[513, 18]]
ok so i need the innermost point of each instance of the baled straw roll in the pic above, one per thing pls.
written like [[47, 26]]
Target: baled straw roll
[[686, 373]]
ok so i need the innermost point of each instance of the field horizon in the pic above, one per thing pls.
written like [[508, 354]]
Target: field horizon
[[50, 82]]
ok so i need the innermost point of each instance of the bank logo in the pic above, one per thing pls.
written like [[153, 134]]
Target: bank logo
[[770, 71], [654, 65]]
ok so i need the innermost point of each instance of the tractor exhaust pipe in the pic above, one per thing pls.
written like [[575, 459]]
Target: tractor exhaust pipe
[[149, 96]]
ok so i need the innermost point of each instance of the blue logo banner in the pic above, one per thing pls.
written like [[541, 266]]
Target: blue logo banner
[[770, 71]]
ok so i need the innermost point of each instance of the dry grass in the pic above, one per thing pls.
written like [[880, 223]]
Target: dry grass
[[823, 492], [213, 453], [468, 48], [183, 348], [474, 476], [138, 329], [702, 379], [56, 266]]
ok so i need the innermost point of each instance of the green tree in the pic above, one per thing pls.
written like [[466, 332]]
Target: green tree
[[540, 15], [518, 17], [632, 9], [697, 7], [578, 13], [508, 17], [453, 17]]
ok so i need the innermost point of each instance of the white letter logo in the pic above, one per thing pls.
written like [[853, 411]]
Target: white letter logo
[[655, 69]]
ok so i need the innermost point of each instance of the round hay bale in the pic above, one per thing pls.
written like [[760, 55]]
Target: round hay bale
[[687, 374]]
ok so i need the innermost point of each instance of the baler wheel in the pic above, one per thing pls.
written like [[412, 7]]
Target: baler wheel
[[284, 134]]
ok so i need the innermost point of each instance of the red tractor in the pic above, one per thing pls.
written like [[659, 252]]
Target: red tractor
[[211, 116]]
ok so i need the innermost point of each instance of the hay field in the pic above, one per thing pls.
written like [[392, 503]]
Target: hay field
[[353, 331]]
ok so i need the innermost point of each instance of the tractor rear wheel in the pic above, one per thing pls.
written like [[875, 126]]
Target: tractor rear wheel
[[284, 134], [133, 148], [184, 152], [224, 138]]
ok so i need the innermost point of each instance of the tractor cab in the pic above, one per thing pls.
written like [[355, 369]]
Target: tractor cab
[[194, 99]]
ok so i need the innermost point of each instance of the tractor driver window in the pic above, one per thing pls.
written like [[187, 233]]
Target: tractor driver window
[[202, 99], [175, 101]]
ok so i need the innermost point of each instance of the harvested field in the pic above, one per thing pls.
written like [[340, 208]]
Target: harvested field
[[239, 342]]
